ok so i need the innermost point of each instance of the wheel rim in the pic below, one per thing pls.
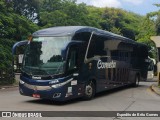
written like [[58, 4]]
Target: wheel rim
[[89, 90]]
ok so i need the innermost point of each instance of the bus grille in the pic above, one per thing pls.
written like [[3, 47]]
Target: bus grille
[[34, 87]]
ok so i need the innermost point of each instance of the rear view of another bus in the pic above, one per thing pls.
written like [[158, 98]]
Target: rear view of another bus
[[151, 68], [141, 61]]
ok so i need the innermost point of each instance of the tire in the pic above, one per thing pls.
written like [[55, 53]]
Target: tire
[[136, 81], [89, 91]]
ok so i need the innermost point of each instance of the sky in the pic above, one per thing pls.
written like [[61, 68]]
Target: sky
[[141, 7]]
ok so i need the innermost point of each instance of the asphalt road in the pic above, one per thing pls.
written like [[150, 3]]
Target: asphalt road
[[124, 99]]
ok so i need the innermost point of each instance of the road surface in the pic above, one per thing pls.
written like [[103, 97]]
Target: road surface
[[125, 99]]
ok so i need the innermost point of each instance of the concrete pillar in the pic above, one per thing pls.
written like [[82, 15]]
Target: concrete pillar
[[156, 40]]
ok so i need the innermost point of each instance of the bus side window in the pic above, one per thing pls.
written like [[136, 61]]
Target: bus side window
[[151, 66], [72, 59], [97, 47], [115, 54]]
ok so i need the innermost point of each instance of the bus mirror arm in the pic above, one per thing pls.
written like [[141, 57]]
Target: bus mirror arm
[[86, 60]]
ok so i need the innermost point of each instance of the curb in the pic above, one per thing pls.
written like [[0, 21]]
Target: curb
[[9, 86], [155, 89]]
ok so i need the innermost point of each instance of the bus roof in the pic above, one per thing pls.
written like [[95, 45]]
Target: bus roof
[[58, 31], [71, 30]]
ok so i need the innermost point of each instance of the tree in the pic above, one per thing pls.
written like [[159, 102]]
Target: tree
[[146, 30], [150, 26], [121, 22], [157, 21], [62, 13], [95, 16], [28, 8], [156, 17], [13, 27]]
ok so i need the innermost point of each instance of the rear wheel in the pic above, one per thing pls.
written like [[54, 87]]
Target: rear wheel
[[89, 90]]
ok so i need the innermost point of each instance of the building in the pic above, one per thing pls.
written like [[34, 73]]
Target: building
[[156, 40]]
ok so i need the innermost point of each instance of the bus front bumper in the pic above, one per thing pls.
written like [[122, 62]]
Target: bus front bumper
[[47, 92]]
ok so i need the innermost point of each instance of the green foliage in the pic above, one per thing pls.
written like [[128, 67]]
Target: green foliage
[[62, 13], [6, 61], [95, 16], [150, 26], [146, 30], [5, 54], [157, 22], [121, 22], [13, 27], [156, 17], [27, 8]]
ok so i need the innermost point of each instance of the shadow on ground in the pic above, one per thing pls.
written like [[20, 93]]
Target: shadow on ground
[[77, 100]]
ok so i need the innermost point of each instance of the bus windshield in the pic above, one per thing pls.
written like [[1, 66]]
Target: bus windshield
[[43, 55]]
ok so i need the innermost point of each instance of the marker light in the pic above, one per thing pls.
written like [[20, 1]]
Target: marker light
[[21, 82]]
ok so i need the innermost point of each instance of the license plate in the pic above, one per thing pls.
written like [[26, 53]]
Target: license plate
[[36, 95]]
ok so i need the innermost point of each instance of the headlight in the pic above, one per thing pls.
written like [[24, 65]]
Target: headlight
[[61, 84], [21, 82], [56, 85]]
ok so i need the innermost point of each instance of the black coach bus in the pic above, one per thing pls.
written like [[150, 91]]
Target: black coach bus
[[62, 63]]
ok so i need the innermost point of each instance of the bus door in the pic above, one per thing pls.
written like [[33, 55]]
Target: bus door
[[74, 58], [73, 63]]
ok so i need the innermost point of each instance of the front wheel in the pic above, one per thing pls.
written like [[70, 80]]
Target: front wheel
[[89, 90]]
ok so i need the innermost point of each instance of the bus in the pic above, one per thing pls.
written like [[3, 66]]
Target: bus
[[62, 63]]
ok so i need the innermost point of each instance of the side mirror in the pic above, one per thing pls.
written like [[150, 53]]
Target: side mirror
[[17, 53], [18, 44]]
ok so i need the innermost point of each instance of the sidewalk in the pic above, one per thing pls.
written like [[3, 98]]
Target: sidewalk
[[155, 88], [7, 86]]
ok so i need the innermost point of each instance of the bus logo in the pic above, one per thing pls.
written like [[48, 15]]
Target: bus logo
[[34, 77], [104, 65]]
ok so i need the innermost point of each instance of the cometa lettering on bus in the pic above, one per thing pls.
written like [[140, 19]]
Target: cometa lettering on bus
[[104, 65]]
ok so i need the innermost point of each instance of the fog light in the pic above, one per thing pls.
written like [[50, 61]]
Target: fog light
[[56, 95]]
